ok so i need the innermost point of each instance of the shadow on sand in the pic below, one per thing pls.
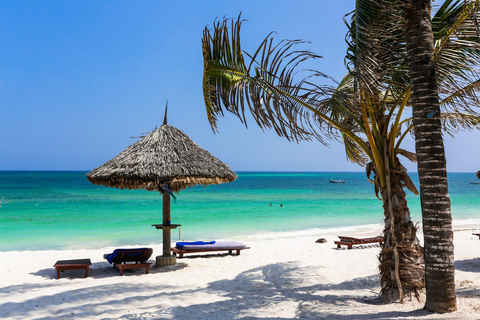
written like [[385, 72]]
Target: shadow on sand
[[100, 270], [468, 265], [247, 296]]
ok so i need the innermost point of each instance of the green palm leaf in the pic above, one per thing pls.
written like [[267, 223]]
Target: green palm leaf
[[268, 88]]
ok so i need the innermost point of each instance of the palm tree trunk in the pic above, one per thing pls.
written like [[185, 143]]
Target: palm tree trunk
[[400, 247], [435, 200]]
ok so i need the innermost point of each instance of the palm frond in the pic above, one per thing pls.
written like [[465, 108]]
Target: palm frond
[[407, 154], [454, 122], [224, 66], [376, 48], [354, 153], [457, 55], [267, 86]]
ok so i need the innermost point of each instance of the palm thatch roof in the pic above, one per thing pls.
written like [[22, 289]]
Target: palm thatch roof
[[478, 174], [166, 155]]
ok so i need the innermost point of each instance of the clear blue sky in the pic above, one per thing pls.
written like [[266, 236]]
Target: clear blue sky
[[79, 78]]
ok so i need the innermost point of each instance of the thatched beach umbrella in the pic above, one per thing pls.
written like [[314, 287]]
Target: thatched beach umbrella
[[166, 160]]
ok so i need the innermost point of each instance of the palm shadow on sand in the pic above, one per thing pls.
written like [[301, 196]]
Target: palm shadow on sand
[[249, 296], [468, 265], [105, 270]]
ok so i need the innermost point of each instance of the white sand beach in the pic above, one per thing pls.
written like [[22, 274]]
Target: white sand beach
[[282, 276]]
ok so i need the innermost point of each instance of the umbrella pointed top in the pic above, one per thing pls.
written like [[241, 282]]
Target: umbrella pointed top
[[165, 119]]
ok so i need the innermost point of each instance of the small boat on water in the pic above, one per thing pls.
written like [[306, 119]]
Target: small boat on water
[[478, 176], [337, 180]]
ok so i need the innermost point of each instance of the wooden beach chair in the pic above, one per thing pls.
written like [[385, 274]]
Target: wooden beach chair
[[351, 241], [120, 258], [477, 234], [182, 248]]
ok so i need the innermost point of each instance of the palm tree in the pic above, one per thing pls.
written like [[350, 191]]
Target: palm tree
[[365, 111], [455, 49], [432, 172]]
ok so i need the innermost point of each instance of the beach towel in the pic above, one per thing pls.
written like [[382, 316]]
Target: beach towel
[[110, 257], [222, 245], [181, 245]]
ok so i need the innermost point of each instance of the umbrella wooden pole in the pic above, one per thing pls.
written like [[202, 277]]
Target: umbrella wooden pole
[[167, 237]]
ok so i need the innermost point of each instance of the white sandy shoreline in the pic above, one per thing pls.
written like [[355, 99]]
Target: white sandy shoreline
[[283, 276]]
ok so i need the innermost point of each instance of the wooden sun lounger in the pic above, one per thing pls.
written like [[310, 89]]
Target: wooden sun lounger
[[227, 246], [351, 241], [477, 234], [138, 256], [182, 252]]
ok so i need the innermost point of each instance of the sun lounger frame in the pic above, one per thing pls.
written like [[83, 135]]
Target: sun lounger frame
[[477, 234], [351, 241], [136, 265], [181, 252]]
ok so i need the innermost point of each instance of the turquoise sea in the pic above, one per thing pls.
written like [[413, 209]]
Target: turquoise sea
[[62, 209]]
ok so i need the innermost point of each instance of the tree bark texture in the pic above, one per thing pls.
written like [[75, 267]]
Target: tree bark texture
[[435, 200], [410, 253]]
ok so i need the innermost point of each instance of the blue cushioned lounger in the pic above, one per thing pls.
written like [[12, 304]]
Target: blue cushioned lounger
[[120, 257]]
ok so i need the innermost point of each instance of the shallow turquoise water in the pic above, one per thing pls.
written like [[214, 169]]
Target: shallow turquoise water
[[54, 210]]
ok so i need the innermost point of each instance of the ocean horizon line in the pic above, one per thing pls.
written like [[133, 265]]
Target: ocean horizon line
[[237, 171]]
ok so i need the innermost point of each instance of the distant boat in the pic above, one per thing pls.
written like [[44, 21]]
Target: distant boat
[[478, 176], [337, 181]]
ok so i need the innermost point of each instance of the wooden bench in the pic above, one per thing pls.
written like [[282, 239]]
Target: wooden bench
[[181, 252], [477, 234], [351, 241], [77, 264], [182, 248], [121, 257]]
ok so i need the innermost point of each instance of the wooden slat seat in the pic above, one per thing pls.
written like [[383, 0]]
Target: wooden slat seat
[[351, 241], [230, 246], [77, 264]]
